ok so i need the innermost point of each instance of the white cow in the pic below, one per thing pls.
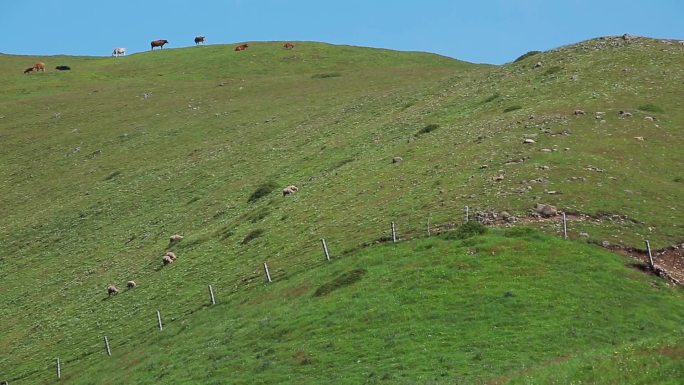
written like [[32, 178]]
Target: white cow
[[119, 52]]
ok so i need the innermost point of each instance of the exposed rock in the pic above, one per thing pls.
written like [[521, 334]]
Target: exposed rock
[[546, 210], [538, 64], [624, 114], [584, 235], [605, 244], [545, 150], [649, 118], [397, 159], [528, 141], [641, 138], [579, 112]]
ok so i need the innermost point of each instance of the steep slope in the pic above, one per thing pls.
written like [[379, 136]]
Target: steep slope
[[102, 164]]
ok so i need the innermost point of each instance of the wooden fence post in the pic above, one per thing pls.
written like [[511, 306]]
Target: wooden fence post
[[650, 256], [159, 321], [565, 226], [211, 295], [394, 233], [325, 249], [59, 369], [109, 352], [268, 275]]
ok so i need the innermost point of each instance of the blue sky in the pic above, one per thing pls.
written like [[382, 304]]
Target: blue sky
[[482, 31]]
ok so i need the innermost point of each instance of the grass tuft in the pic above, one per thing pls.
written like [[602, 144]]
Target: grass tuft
[[427, 129]]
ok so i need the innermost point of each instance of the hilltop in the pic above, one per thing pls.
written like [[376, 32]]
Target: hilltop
[[104, 162]]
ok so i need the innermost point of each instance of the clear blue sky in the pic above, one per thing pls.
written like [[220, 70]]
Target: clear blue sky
[[482, 31]]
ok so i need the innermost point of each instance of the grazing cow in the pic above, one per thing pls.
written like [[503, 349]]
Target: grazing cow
[[28, 70], [199, 39], [288, 45], [119, 52], [39, 67], [112, 290], [63, 68], [158, 43], [241, 47]]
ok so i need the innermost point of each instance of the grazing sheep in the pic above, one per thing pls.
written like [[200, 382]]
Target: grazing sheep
[[171, 255], [175, 238], [131, 284], [291, 189], [166, 260], [112, 290]]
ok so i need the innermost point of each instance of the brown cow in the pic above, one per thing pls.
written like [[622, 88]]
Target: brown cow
[[199, 39], [288, 45], [158, 43], [241, 47], [39, 67]]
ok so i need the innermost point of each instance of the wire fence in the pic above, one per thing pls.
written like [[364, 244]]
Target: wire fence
[[403, 228]]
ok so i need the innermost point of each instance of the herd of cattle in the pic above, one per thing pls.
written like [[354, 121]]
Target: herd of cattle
[[40, 67]]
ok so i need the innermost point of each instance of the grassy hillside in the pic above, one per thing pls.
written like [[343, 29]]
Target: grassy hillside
[[101, 164]]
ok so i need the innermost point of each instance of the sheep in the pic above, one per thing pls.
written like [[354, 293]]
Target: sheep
[[166, 260], [291, 189], [131, 284], [175, 238], [112, 290], [171, 255]]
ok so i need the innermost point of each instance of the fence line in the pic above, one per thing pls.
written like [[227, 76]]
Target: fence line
[[408, 235]]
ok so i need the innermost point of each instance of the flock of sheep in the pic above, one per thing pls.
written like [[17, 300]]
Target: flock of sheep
[[168, 257]]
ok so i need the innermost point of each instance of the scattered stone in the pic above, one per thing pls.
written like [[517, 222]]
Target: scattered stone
[[538, 64], [397, 159], [594, 168], [574, 78], [498, 178], [584, 235], [483, 166], [552, 192], [628, 37], [528, 141], [641, 138], [566, 149], [579, 112], [546, 210], [545, 150], [544, 167], [624, 114], [605, 244], [649, 118]]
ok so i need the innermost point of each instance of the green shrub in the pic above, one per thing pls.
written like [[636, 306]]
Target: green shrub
[[491, 98], [427, 129], [344, 279], [553, 70], [512, 108], [256, 233], [526, 55], [650, 107], [326, 75], [262, 191], [467, 230]]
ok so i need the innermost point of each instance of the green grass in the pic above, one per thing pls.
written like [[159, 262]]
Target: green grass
[[96, 177]]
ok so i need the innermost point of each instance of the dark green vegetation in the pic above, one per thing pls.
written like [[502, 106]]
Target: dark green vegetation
[[103, 163]]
